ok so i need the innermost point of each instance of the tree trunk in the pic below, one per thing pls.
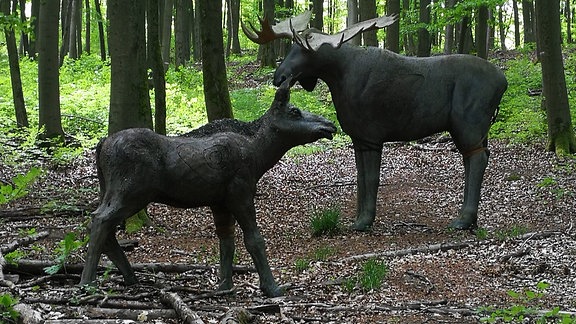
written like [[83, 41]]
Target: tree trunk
[[196, 41], [528, 16], [66, 21], [393, 31], [233, 24], [267, 55], [129, 97], [352, 18], [182, 34], [48, 74], [157, 67], [88, 26], [167, 32], [368, 11], [15, 79], [34, 26], [23, 36], [560, 132], [100, 30], [73, 50], [482, 31], [317, 14], [516, 23], [568, 15], [216, 93], [449, 34], [501, 28], [423, 33]]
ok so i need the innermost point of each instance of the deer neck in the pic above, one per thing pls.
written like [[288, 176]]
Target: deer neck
[[270, 145]]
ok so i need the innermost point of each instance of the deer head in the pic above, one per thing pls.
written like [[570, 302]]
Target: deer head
[[311, 39]]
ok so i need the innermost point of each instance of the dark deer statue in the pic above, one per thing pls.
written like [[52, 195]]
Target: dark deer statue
[[217, 165], [381, 96]]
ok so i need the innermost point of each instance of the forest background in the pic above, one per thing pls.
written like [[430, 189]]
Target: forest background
[[59, 95], [86, 108]]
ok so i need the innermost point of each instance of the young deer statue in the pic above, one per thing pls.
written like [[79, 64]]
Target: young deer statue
[[217, 165], [381, 96]]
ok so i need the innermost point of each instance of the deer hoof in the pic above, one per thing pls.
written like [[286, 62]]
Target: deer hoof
[[273, 292], [362, 226], [463, 223]]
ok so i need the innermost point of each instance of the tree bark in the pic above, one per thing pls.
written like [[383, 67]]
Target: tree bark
[[167, 32], [516, 23], [528, 16], [233, 26], [393, 31], [216, 93], [15, 77], [157, 67], [482, 31], [35, 7], [129, 97], [48, 74], [368, 11], [561, 138], [182, 33], [449, 32], [318, 14], [352, 18], [266, 51], [424, 46], [502, 29], [100, 30], [88, 26]]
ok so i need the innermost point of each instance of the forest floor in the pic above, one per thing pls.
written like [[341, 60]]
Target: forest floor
[[526, 236]]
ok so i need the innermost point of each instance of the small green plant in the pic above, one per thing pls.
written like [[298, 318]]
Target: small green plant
[[370, 277], [322, 253], [13, 257], [21, 182], [7, 312], [65, 248], [514, 231], [325, 221], [526, 308], [27, 232], [547, 182], [302, 265], [481, 233]]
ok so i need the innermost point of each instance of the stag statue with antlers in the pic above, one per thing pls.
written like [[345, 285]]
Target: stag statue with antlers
[[381, 96]]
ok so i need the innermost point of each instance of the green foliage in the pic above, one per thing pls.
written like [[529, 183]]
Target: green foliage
[[371, 276], [322, 253], [512, 232], [137, 221], [521, 118], [325, 221], [526, 308], [301, 265], [7, 312], [65, 248], [14, 256], [22, 183]]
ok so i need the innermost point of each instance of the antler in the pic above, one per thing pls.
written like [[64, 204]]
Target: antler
[[312, 39], [282, 29]]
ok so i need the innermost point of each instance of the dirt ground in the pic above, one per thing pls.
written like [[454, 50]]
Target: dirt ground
[[435, 275]]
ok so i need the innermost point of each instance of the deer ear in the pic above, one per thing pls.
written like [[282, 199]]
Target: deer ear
[[283, 92]]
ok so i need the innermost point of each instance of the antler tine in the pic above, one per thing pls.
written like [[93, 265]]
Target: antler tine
[[299, 39], [281, 30], [315, 39], [263, 36]]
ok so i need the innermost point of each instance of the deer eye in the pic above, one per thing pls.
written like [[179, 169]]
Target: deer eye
[[295, 112]]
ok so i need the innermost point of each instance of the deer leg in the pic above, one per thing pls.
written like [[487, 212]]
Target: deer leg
[[225, 223], [100, 231], [254, 242], [103, 240], [368, 178], [474, 167], [115, 253]]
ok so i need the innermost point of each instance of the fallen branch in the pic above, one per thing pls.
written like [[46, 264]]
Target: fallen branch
[[444, 247], [36, 267], [141, 315], [12, 246], [185, 313]]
